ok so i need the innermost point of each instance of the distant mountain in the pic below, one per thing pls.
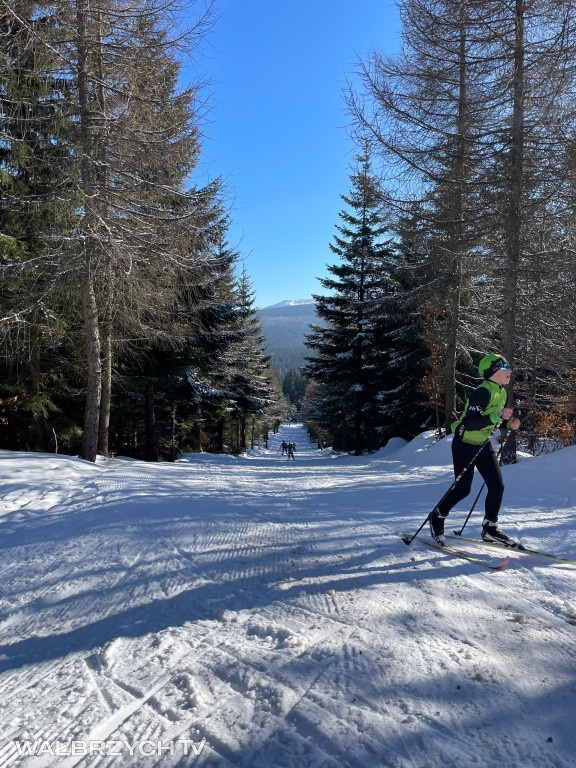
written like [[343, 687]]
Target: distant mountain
[[284, 326], [291, 303]]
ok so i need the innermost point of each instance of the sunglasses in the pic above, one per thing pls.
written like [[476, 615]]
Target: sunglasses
[[504, 366]]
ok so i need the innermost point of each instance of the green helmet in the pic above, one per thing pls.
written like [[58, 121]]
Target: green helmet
[[490, 364]]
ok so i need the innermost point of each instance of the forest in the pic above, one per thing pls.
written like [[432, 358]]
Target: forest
[[127, 321], [127, 324], [458, 233]]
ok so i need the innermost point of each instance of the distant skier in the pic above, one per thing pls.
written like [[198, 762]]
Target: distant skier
[[284, 446], [291, 451], [484, 409]]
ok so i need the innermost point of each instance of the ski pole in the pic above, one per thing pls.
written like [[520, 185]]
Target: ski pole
[[498, 456], [410, 539]]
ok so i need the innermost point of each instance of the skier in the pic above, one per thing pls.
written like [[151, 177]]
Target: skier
[[484, 409], [291, 449], [284, 446]]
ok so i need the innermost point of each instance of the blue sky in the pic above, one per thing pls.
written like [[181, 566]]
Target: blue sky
[[277, 132]]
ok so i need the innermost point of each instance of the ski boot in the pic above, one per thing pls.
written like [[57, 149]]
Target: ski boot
[[491, 533], [437, 527]]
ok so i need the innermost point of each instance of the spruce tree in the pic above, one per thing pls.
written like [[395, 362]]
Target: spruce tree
[[293, 387], [37, 215], [215, 334], [249, 376], [408, 356], [351, 349]]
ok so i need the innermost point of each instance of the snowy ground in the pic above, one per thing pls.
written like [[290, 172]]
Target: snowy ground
[[251, 611]]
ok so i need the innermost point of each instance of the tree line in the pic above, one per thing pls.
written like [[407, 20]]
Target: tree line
[[126, 324], [461, 234]]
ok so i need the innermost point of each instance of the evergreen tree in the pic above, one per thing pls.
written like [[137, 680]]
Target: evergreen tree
[[190, 378], [214, 342], [472, 123], [408, 356], [352, 349], [249, 381], [159, 226], [294, 386], [37, 215], [425, 109], [103, 227], [313, 414], [143, 225], [279, 409]]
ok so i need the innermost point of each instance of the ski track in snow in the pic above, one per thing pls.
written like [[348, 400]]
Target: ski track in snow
[[268, 607]]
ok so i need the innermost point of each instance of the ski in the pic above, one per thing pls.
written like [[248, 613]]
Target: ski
[[458, 553], [519, 548]]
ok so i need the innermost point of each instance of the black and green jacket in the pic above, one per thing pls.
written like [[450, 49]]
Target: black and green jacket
[[482, 412]]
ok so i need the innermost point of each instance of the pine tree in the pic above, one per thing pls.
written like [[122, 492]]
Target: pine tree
[[214, 338], [249, 380], [351, 350], [293, 386], [314, 415], [278, 410], [408, 356], [37, 214]]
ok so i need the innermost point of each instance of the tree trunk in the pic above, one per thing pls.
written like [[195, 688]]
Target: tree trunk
[[516, 189], [439, 425], [120, 435], [89, 224], [457, 239], [359, 350], [173, 443], [221, 435], [198, 428], [151, 450], [106, 396], [107, 298], [358, 428], [36, 431], [35, 366], [515, 214], [89, 448]]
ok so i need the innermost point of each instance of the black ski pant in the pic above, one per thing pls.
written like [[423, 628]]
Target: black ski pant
[[487, 465]]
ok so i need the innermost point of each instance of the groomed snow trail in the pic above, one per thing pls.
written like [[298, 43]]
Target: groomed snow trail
[[266, 611]]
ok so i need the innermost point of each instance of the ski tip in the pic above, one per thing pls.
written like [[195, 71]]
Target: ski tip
[[502, 565]]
